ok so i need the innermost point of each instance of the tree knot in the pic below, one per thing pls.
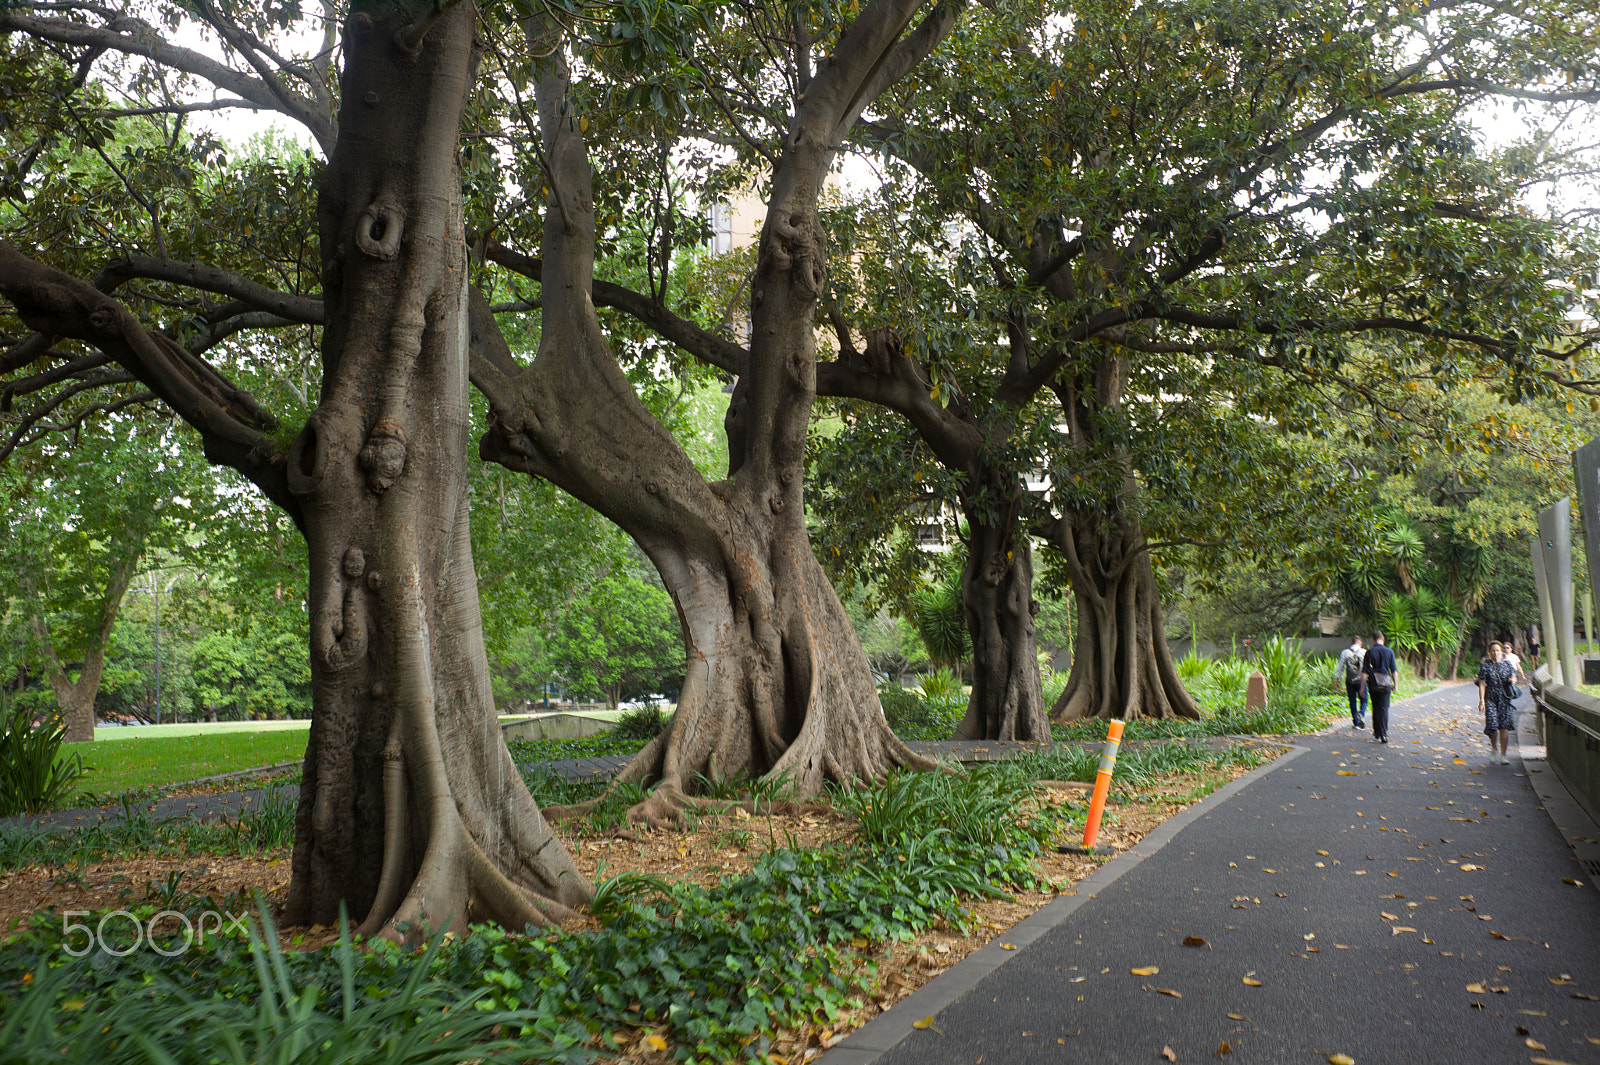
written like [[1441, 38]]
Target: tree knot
[[105, 321], [797, 248], [384, 456], [378, 229], [884, 346]]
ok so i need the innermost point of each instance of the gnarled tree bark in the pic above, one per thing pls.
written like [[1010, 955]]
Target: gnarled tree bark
[[1007, 701], [405, 737], [412, 816], [776, 686], [1121, 665]]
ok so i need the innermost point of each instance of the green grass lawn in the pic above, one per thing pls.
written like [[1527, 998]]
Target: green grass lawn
[[139, 762]]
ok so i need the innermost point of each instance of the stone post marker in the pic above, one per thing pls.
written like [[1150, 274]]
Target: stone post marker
[[1255, 693]]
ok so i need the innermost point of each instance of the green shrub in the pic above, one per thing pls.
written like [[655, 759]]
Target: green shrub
[[941, 684], [992, 805], [264, 1008], [1053, 682], [33, 775], [644, 724], [1281, 663], [1229, 675], [913, 715], [1192, 666]]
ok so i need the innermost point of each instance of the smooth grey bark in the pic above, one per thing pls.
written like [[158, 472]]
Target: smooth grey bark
[[776, 684]]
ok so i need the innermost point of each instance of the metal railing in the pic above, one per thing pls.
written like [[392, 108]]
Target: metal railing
[[1569, 724]]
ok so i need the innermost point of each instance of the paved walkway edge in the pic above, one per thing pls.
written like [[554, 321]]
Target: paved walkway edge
[[871, 1040]]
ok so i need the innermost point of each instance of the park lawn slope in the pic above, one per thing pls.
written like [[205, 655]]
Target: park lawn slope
[[113, 769]]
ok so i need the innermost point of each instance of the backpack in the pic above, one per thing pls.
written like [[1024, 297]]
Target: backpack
[[1351, 660]]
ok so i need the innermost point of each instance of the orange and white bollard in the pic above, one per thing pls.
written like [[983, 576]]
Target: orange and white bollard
[[1102, 789]]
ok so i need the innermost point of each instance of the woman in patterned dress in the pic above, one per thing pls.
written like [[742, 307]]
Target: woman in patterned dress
[[1495, 677]]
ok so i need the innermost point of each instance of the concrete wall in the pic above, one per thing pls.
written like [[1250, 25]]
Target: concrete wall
[[555, 727], [1573, 754]]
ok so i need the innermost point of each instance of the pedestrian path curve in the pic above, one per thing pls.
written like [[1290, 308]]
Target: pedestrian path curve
[[1404, 903]]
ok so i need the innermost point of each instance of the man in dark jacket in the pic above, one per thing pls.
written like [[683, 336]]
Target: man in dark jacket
[[1379, 669]]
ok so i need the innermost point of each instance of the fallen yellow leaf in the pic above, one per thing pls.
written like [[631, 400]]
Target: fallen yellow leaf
[[1323, 853], [1250, 981], [1570, 880], [1478, 989], [1169, 1053], [1008, 946], [1169, 991], [1534, 1044], [1224, 1049], [1235, 1016], [655, 1042], [1146, 970], [1395, 930], [926, 1022], [1341, 1059]]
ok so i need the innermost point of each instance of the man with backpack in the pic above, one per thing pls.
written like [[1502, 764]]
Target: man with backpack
[[1355, 681]]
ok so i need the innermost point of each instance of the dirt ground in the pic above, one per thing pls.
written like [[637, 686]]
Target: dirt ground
[[712, 846]]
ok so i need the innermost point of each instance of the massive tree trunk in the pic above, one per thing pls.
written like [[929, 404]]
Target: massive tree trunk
[[411, 811], [776, 683], [1121, 665], [412, 815], [1007, 700]]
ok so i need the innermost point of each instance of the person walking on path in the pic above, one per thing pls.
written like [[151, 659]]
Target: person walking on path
[[1495, 677], [1355, 681], [1377, 670]]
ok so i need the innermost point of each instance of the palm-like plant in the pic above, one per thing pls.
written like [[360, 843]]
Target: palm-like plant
[[1407, 551], [941, 621], [1423, 626]]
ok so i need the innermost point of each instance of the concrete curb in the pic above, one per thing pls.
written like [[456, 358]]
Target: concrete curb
[[260, 770], [871, 1040]]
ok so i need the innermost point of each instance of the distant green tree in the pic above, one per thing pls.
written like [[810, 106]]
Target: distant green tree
[[620, 639], [78, 518]]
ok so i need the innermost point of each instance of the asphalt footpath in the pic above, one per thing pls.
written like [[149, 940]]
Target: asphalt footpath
[[1412, 902]]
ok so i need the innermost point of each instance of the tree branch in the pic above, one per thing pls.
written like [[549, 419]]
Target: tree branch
[[231, 423], [691, 337], [304, 309], [141, 40]]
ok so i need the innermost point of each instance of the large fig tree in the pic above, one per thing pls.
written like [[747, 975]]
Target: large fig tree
[[411, 813], [1213, 216]]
